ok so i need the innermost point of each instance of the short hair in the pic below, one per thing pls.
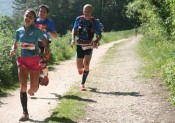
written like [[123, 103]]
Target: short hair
[[87, 5], [32, 11], [44, 6]]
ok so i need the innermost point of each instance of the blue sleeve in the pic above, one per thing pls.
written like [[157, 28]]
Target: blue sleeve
[[76, 23], [51, 26], [17, 36], [97, 28]]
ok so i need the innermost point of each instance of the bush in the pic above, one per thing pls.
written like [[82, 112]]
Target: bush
[[60, 49], [8, 69]]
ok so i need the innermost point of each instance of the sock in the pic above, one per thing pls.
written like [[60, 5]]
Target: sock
[[45, 71], [23, 97], [85, 74]]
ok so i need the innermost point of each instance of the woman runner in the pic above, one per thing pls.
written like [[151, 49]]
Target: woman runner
[[29, 63]]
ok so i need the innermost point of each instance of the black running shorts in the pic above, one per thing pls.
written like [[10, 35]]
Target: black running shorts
[[81, 53]]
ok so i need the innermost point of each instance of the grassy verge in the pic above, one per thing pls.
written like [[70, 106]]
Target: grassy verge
[[114, 36], [5, 90], [71, 107], [160, 61]]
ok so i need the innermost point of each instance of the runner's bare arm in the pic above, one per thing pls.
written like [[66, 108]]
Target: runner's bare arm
[[96, 42], [13, 49], [46, 44], [73, 37], [53, 34]]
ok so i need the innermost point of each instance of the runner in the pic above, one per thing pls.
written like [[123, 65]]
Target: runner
[[29, 63], [84, 28], [47, 26]]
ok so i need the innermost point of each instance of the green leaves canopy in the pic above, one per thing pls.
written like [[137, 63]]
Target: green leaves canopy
[[63, 12]]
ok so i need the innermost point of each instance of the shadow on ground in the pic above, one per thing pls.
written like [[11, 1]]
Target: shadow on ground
[[1, 103], [59, 120], [73, 97], [5, 94], [36, 121], [136, 94]]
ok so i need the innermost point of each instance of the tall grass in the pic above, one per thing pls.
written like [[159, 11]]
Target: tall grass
[[113, 36], [160, 61]]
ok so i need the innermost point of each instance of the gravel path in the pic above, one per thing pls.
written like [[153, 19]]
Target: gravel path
[[120, 93]]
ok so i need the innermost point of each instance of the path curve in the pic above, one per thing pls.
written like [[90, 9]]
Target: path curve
[[122, 94], [45, 100]]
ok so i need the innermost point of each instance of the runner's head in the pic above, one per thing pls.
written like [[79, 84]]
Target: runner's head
[[29, 17], [43, 12], [87, 11]]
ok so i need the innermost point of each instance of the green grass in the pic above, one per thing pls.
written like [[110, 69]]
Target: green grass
[[156, 54], [4, 91], [114, 36], [70, 108], [159, 58]]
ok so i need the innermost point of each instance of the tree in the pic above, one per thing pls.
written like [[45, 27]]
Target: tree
[[110, 12]]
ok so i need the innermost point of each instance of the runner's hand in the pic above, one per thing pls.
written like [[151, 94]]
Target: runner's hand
[[43, 62], [72, 43], [12, 53], [95, 45]]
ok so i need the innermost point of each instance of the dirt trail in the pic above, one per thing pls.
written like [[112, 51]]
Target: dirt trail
[[121, 96], [45, 100]]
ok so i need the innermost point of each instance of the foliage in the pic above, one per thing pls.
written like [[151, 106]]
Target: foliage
[[64, 12], [157, 19], [7, 68], [60, 49]]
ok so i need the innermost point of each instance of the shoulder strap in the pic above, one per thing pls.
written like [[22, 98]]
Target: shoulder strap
[[82, 17]]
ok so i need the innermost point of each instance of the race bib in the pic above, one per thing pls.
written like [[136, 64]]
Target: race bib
[[28, 46], [87, 47]]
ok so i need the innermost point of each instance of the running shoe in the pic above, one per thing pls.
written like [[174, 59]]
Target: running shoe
[[46, 80], [41, 80], [80, 71], [83, 88], [24, 117]]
